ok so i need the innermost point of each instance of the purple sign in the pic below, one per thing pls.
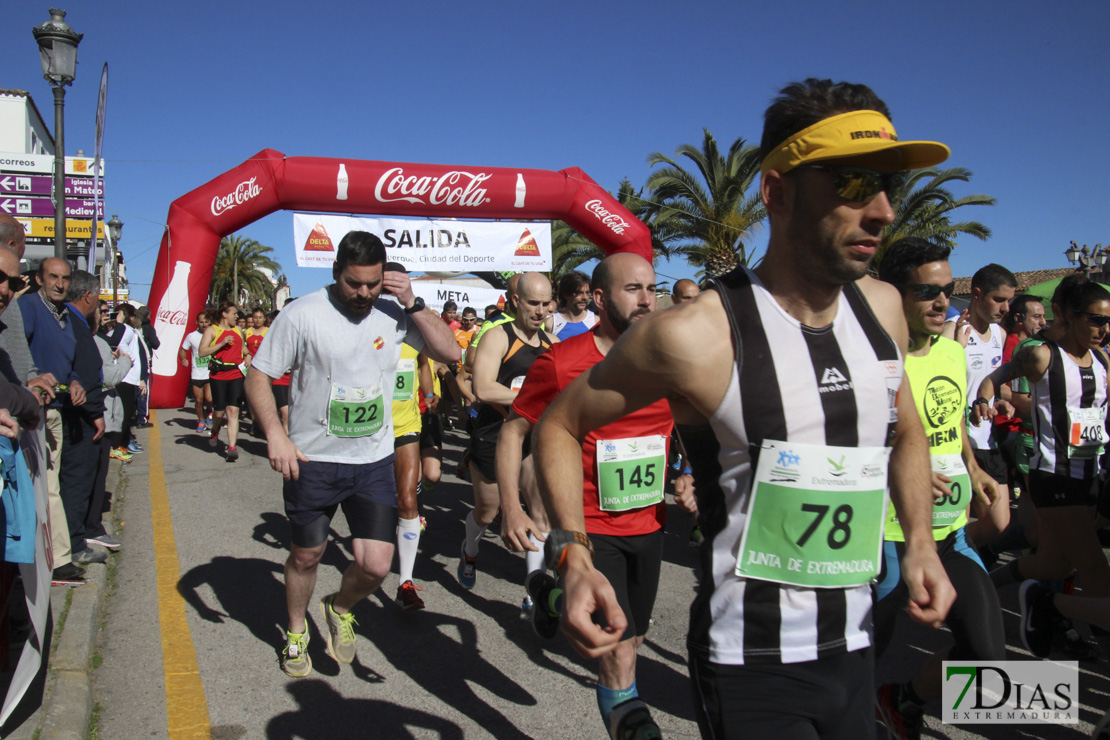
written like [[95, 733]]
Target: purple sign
[[24, 184], [45, 207]]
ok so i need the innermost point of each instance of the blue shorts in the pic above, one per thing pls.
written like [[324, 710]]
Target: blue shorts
[[367, 493]]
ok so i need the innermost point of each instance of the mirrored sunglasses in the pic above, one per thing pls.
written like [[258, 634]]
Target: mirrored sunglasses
[[927, 291], [860, 184]]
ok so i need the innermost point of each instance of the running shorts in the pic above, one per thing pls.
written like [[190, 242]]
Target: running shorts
[[431, 430], [227, 393], [199, 382], [994, 464], [367, 493], [281, 395], [830, 698], [406, 439], [632, 565], [1050, 490]]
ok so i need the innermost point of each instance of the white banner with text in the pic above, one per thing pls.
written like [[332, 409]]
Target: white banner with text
[[436, 294], [430, 244]]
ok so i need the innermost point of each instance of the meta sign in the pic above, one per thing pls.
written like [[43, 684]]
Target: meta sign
[[27, 187]]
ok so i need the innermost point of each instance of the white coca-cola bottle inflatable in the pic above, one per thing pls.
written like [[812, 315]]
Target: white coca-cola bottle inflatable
[[170, 321]]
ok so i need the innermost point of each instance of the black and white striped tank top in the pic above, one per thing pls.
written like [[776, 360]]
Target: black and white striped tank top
[[834, 386], [1065, 385]]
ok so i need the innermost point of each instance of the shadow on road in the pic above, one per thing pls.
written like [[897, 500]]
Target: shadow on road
[[324, 713]]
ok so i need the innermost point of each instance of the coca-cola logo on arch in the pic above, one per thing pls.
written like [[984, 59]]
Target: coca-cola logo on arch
[[454, 188], [607, 217], [241, 194], [169, 316]]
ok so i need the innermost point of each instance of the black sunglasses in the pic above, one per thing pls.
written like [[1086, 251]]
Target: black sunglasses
[[16, 283], [1096, 319], [927, 291], [860, 184]]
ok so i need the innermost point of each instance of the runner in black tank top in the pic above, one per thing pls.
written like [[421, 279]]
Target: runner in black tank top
[[500, 364]]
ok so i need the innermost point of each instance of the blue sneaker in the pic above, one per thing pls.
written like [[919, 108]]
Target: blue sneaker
[[526, 608], [135, 447], [468, 566]]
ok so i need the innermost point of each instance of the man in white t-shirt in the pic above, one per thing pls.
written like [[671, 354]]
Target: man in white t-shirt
[[198, 373], [343, 346], [979, 331]]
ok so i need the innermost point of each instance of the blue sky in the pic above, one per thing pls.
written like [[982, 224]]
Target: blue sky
[[1017, 90]]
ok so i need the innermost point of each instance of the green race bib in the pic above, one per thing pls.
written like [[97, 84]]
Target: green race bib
[[630, 472], [816, 515], [948, 509], [405, 384], [355, 412], [199, 361]]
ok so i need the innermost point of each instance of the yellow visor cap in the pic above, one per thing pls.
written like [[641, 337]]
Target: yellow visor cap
[[855, 134]]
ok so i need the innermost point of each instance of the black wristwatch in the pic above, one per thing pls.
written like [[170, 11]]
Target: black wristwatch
[[417, 305], [980, 400], [558, 540]]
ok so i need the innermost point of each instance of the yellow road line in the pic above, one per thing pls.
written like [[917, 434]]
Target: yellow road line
[[186, 705]]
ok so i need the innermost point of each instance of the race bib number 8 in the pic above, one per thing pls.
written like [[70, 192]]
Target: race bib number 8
[[355, 412], [630, 472], [816, 515], [405, 383]]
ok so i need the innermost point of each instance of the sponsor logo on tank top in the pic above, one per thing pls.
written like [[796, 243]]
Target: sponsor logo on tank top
[[833, 380]]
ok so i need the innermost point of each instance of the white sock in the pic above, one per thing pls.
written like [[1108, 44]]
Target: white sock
[[408, 541], [473, 534], [533, 561]]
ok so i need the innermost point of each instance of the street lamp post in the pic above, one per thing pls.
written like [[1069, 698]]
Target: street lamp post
[[1085, 258], [58, 51], [115, 230]]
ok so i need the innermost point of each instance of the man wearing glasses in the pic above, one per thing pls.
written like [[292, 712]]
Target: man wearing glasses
[[784, 382]]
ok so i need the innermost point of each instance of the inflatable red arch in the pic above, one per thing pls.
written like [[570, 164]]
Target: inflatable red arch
[[270, 181]]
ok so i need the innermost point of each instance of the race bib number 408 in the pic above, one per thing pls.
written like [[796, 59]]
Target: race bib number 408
[[816, 515]]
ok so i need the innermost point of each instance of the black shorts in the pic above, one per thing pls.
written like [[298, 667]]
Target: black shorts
[[226, 393], [830, 698], [1050, 490], [631, 564], [483, 451], [281, 395], [367, 493], [199, 382], [431, 430], [994, 464], [406, 439]]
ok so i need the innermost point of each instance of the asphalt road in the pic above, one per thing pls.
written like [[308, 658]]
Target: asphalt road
[[467, 666]]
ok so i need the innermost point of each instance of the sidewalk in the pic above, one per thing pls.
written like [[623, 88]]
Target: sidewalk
[[59, 704]]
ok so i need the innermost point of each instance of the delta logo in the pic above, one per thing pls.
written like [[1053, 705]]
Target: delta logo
[[882, 133], [526, 246], [379, 343], [318, 240]]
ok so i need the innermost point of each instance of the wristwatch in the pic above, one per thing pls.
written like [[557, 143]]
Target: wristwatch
[[417, 305], [558, 540]]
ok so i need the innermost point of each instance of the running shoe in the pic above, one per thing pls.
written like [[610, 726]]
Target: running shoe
[[294, 658], [526, 608], [89, 556], [631, 720], [1037, 614], [232, 454], [408, 598], [547, 598], [201, 426], [118, 453], [214, 438], [208, 421], [468, 568], [341, 631], [423, 524], [903, 719], [696, 537], [68, 575], [105, 541], [135, 447]]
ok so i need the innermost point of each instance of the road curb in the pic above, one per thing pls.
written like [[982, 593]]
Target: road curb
[[68, 704]]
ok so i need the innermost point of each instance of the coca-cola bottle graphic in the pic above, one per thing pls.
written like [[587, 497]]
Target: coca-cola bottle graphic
[[341, 183], [170, 321]]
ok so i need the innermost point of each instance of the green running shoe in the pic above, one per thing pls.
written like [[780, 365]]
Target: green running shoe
[[341, 632], [294, 658]]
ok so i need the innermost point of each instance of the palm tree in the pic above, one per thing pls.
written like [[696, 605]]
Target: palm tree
[[925, 210], [239, 268], [708, 215]]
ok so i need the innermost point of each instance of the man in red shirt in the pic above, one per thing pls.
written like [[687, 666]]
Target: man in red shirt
[[624, 465], [450, 309]]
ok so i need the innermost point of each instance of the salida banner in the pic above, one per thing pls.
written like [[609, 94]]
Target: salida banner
[[436, 294], [430, 244]]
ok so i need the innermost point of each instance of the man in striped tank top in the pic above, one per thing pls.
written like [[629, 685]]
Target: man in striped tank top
[[785, 383]]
